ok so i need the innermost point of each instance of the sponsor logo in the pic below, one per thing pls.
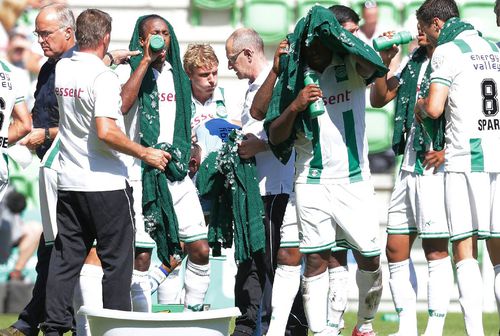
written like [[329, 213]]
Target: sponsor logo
[[5, 81], [164, 96], [68, 92], [338, 98]]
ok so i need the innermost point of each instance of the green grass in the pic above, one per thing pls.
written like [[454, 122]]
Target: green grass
[[454, 325]]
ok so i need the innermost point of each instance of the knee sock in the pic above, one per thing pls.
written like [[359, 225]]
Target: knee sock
[[169, 290], [496, 286], [140, 291], [196, 281], [337, 295], [156, 277], [285, 287], [439, 288], [88, 292], [470, 290], [404, 297], [315, 294], [370, 292]]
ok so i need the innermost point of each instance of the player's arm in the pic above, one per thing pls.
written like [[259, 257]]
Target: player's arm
[[21, 123], [385, 89], [130, 89], [251, 146], [433, 106], [364, 68], [281, 128], [262, 98], [109, 132]]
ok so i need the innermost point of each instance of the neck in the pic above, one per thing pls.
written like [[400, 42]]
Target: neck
[[202, 98], [99, 52], [368, 29], [260, 64], [68, 47], [430, 50]]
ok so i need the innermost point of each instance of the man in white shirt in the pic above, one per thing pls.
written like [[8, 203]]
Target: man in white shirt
[[94, 199], [245, 54], [464, 86]]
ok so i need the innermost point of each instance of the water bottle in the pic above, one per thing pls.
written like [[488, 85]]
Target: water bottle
[[156, 43], [384, 42], [316, 108]]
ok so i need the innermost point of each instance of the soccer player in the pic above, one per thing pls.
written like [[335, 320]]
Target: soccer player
[[464, 86], [417, 202], [157, 90], [94, 198]]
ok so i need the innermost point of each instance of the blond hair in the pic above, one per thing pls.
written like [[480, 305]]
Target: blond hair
[[199, 56]]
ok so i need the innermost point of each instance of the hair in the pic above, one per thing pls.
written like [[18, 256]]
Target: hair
[[441, 9], [199, 56], [142, 24], [344, 14], [64, 15], [15, 201], [247, 37], [91, 27]]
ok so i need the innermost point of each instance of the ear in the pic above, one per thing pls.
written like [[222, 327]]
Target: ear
[[68, 32]]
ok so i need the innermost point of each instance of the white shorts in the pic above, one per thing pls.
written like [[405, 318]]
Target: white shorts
[[47, 181], [338, 215], [290, 236], [417, 205], [472, 205]]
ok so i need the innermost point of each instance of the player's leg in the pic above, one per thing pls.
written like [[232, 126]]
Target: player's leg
[[338, 275]]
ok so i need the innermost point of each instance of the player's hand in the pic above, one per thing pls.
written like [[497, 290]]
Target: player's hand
[[419, 110], [281, 50], [156, 158], [251, 146], [34, 139], [121, 56], [306, 96], [388, 54], [433, 160], [149, 55]]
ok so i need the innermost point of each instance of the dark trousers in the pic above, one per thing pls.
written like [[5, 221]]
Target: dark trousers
[[34, 312], [82, 217], [252, 274]]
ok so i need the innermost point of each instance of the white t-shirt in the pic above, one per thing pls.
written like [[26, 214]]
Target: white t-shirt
[[410, 163], [338, 153], [10, 95], [86, 89], [166, 100], [470, 67], [274, 177]]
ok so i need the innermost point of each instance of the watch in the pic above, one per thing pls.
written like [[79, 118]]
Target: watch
[[47, 135]]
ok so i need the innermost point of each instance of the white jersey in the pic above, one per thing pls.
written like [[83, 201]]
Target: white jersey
[[338, 153], [167, 110], [86, 89], [10, 95], [470, 67], [274, 177], [412, 162]]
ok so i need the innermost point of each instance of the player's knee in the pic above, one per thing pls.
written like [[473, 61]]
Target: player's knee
[[289, 256], [142, 260], [435, 249], [316, 263], [198, 252]]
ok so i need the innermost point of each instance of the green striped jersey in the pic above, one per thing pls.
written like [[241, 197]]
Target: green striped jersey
[[470, 67], [338, 152]]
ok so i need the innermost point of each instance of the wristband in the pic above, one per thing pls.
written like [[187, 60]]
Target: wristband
[[112, 60]]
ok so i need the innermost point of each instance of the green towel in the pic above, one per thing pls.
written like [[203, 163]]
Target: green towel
[[319, 23], [159, 214], [231, 183]]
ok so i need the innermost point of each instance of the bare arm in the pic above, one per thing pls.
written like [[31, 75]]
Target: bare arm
[[385, 89], [282, 127], [112, 135], [433, 106], [119, 56], [263, 96], [21, 123]]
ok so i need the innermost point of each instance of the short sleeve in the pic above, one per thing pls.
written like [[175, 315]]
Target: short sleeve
[[107, 95], [123, 72], [442, 63]]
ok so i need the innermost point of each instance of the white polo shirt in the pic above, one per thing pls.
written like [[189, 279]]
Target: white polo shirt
[[274, 177], [10, 95], [86, 89]]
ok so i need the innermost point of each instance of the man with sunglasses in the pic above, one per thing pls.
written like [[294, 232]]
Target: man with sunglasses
[[245, 54]]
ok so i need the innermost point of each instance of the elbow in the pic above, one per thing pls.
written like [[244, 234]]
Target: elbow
[[25, 129], [433, 114], [257, 114], [376, 102]]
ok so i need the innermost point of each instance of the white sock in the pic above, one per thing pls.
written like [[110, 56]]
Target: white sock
[[140, 290], [439, 288], [337, 295], [156, 277], [315, 294], [496, 286], [403, 296], [196, 281], [88, 292], [413, 277], [285, 287], [470, 290], [370, 292], [169, 290]]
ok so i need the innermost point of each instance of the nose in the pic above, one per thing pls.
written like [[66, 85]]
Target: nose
[[229, 65]]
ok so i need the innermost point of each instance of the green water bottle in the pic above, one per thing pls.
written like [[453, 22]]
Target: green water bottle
[[316, 108], [156, 43], [384, 42]]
